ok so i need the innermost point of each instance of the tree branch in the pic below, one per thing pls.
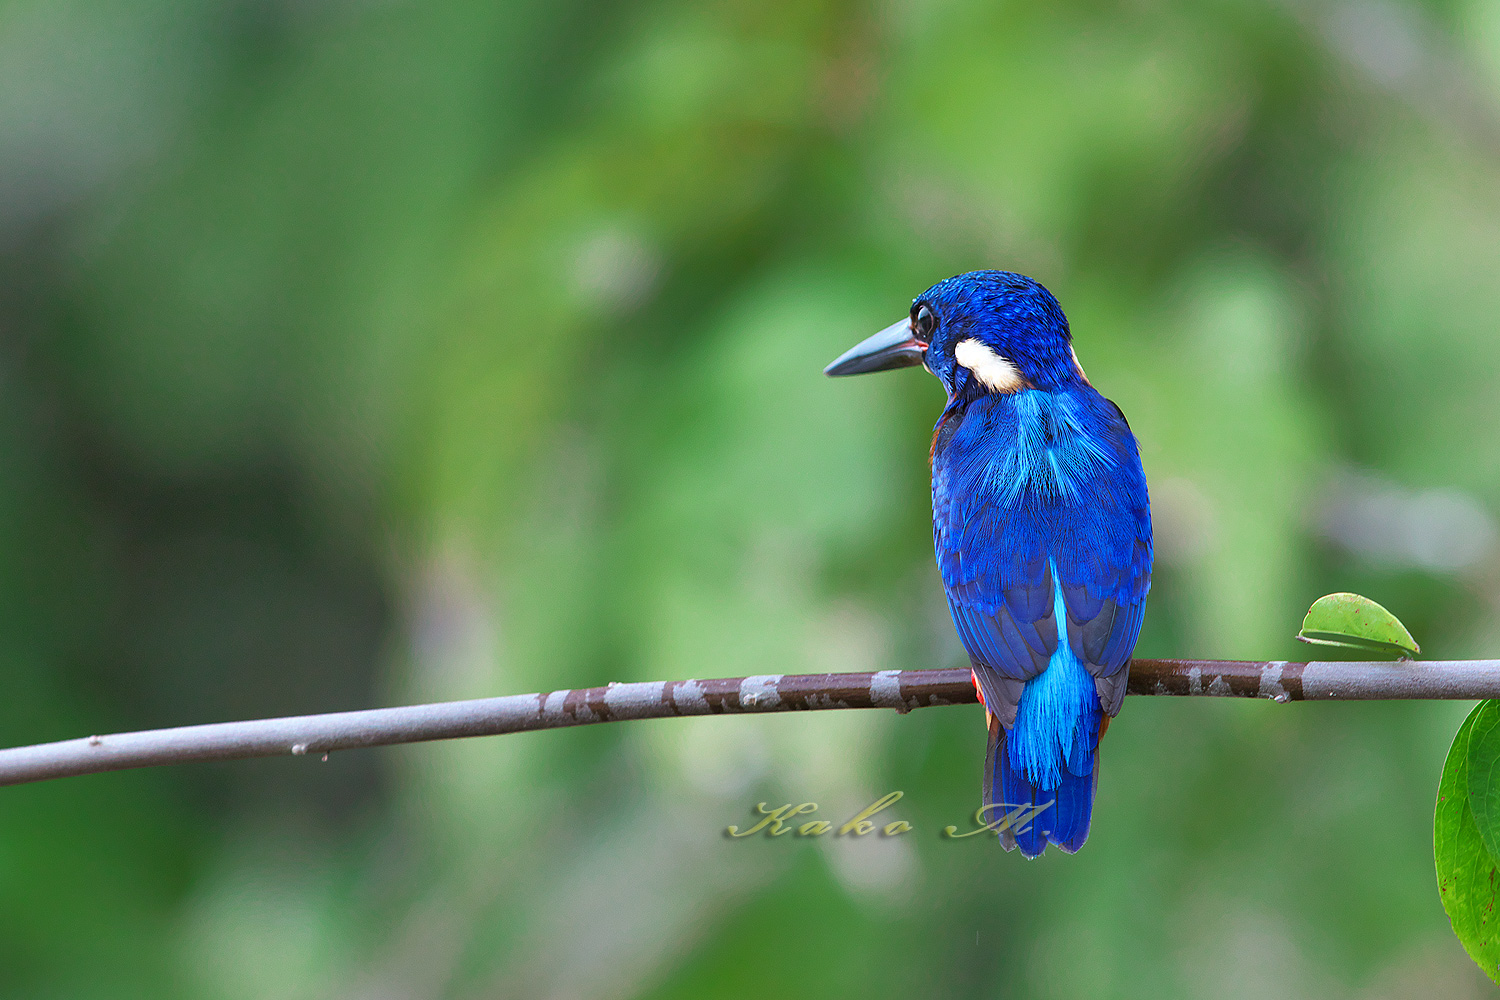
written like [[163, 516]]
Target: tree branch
[[901, 690]]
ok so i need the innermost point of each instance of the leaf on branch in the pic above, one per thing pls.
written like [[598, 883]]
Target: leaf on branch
[[1355, 622], [1483, 763], [1468, 874]]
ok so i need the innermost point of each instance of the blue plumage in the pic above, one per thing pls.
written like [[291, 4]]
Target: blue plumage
[[1042, 530]]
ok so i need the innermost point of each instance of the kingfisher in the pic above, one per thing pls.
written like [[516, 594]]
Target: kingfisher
[[1042, 527]]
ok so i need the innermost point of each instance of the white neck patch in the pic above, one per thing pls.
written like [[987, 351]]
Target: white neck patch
[[994, 372]]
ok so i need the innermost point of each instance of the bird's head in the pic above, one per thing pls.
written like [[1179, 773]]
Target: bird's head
[[980, 332]]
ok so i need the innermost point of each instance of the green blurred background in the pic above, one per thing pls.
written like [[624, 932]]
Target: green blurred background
[[360, 352]]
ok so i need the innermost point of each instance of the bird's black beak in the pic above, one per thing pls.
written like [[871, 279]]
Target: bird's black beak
[[894, 347]]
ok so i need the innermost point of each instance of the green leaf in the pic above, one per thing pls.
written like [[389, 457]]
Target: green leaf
[[1468, 875], [1483, 763], [1356, 622]]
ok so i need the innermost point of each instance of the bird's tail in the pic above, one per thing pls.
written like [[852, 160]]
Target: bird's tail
[[1034, 817]]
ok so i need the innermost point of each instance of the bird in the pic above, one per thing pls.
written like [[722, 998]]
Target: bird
[[1041, 525]]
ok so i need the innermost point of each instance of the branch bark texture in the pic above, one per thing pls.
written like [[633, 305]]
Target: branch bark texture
[[901, 690]]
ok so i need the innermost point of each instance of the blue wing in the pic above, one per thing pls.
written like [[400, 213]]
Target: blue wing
[[1032, 495]]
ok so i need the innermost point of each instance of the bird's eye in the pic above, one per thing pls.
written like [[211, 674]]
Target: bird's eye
[[924, 323]]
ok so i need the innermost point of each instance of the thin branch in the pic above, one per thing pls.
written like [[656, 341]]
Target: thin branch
[[902, 690]]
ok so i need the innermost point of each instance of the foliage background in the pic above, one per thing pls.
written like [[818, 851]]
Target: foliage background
[[358, 352]]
